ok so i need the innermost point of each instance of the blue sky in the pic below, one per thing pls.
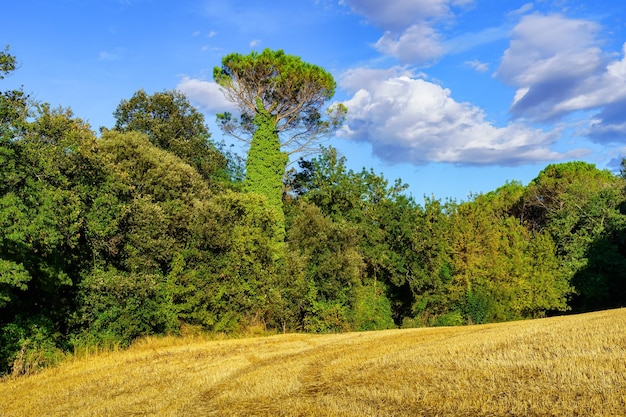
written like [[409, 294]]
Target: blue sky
[[452, 96]]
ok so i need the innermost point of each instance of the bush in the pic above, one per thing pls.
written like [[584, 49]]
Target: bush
[[372, 309], [117, 307], [477, 307], [327, 317], [28, 345], [454, 318]]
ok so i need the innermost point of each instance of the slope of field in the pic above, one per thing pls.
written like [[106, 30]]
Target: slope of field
[[565, 366]]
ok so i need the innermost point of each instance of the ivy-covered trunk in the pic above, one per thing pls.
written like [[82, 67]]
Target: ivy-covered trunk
[[265, 167]]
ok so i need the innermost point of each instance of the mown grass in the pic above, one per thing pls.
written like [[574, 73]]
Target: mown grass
[[563, 366]]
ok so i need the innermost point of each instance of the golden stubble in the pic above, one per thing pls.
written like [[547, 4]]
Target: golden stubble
[[562, 366]]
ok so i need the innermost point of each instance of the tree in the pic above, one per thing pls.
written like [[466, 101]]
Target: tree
[[280, 98], [173, 124], [14, 113], [432, 277], [380, 214], [285, 87], [152, 201], [7, 62], [581, 207], [51, 180], [502, 270], [331, 263]]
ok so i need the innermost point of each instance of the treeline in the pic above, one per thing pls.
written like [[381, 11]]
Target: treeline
[[145, 229]]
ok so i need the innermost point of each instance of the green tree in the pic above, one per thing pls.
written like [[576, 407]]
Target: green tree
[[7, 62], [280, 98], [432, 276], [226, 276], [116, 307], [152, 200], [14, 113], [171, 123], [51, 176], [265, 166], [581, 206], [502, 270], [381, 215], [332, 267]]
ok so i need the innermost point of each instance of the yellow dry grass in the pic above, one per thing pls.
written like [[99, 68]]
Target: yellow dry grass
[[564, 366]]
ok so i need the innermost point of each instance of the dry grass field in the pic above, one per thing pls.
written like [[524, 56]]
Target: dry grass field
[[564, 366]]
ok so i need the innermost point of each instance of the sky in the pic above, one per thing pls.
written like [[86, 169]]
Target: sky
[[454, 97]]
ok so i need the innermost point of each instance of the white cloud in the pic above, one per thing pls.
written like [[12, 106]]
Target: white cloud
[[409, 26], [559, 69], [408, 119], [109, 56], [254, 42], [206, 95], [548, 47], [522, 10], [400, 14], [607, 86], [418, 44], [477, 65], [548, 60]]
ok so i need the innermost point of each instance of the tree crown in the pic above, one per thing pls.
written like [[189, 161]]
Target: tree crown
[[291, 90]]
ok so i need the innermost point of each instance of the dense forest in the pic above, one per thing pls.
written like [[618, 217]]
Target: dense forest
[[148, 227]]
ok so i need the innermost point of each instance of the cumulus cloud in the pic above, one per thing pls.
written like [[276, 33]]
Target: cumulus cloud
[[400, 14], [548, 59], [558, 68], [206, 95], [419, 43], [408, 119], [608, 126], [409, 26]]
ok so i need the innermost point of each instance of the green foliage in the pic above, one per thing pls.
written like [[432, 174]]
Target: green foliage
[[432, 273], [280, 96], [453, 318], [284, 86], [331, 263], [478, 261], [226, 278], [118, 306], [497, 258], [277, 94], [580, 206], [477, 306], [380, 215], [152, 205], [7, 62], [326, 316], [372, 309], [171, 123], [28, 344], [265, 166], [14, 111], [13, 276], [41, 216]]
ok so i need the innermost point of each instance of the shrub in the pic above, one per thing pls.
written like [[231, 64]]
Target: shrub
[[28, 345], [372, 309], [118, 307]]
